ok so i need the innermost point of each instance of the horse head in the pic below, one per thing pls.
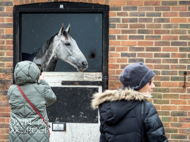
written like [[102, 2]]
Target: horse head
[[66, 49]]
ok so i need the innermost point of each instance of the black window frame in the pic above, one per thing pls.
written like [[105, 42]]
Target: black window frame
[[63, 7]]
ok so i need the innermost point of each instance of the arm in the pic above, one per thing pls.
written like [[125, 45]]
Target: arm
[[153, 126], [102, 135], [50, 97]]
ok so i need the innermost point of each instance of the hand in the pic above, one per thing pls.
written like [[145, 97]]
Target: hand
[[41, 76]]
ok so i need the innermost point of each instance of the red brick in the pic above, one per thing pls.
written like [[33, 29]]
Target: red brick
[[169, 37], [122, 25], [128, 31], [153, 49], [178, 67], [128, 43], [162, 43], [136, 37], [171, 26], [169, 84], [161, 67], [113, 66], [160, 8], [123, 14], [9, 42], [130, 8], [163, 55], [9, 65], [171, 107], [162, 20], [145, 20], [178, 31], [153, 26], [169, 61], [184, 14], [145, 31], [137, 14], [120, 2], [178, 55], [145, 8], [122, 37], [113, 42], [178, 8], [129, 20], [9, 53], [169, 3], [136, 49], [121, 48], [159, 79], [114, 31], [171, 96], [112, 14], [178, 43], [2, 20], [178, 20], [145, 55], [121, 60], [9, 20], [111, 48], [9, 9], [153, 37], [111, 72], [135, 3], [184, 37], [152, 3], [4, 137], [178, 90], [161, 31], [180, 125], [145, 43], [112, 60], [114, 54], [184, 108], [181, 84], [137, 26], [170, 49], [154, 61], [170, 14]]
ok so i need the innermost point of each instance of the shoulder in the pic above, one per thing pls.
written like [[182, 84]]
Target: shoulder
[[150, 108], [11, 89]]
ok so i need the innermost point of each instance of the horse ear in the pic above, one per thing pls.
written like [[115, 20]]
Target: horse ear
[[61, 30], [68, 28]]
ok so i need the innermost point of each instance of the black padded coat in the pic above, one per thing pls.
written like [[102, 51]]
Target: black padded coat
[[120, 117]]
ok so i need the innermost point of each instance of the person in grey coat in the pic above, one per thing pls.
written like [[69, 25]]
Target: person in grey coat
[[25, 124], [125, 114]]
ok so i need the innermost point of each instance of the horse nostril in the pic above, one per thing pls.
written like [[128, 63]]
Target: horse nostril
[[84, 63]]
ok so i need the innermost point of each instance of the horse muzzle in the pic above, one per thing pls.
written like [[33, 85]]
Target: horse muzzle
[[83, 67]]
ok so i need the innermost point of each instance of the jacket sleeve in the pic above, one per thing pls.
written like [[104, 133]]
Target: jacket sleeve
[[153, 126], [102, 135], [50, 97]]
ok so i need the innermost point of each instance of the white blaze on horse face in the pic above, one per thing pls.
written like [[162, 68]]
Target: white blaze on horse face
[[66, 49]]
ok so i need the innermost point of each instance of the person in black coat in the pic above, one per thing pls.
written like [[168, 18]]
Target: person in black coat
[[125, 114]]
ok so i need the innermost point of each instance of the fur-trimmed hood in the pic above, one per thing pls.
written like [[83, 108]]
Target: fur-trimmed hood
[[116, 95]]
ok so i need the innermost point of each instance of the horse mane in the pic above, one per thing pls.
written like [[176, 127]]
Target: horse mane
[[41, 51]]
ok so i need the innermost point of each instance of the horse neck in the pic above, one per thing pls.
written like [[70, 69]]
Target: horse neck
[[49, 60]]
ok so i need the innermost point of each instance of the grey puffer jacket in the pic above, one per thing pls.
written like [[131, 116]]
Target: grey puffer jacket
[[25, 124], [120, 117]]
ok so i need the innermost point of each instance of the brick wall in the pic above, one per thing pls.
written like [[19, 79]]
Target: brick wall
[[154, 32]]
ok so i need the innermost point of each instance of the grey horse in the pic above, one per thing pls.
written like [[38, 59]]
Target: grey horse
[[60, 46]]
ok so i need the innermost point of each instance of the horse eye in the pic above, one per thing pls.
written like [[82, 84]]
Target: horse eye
[[67, 43]]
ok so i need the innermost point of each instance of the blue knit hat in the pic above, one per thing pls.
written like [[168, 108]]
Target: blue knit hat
[[136, 76]]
